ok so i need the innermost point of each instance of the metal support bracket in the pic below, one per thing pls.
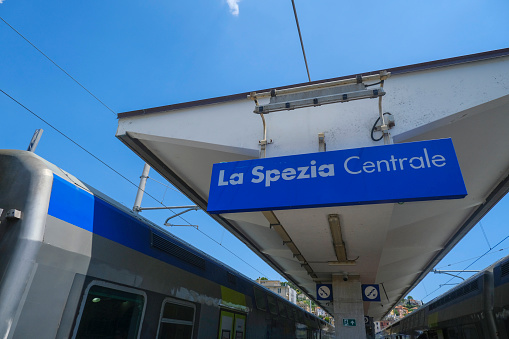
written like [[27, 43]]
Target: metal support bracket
[[322, 146], [318, 94], [264, 142], [263, 146], [389, 123], [13, 214], [191, 208], [272, 225]]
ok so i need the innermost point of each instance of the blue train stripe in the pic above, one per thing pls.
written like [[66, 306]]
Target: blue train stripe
[[84, 210], [69, 203]]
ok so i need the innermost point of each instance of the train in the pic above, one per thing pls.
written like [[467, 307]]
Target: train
[[476, 308], [74, 263]]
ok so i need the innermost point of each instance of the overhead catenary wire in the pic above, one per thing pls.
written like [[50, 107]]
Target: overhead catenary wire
[[485, 253], [60, 68], [91, 154], [300, 37], [485, 236], [166, 188], [462, 261], [118, 173], [111, 110]]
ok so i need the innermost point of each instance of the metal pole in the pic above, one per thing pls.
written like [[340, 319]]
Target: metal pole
[[267, 94], [165, 208], [35, 140], [300, 37], [456, 271], [141, 188]]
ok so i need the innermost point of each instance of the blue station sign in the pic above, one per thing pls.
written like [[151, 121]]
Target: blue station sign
[[371, 292], [423, 170], [324, 292]]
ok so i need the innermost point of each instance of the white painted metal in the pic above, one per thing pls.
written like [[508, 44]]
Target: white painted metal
[[395, 243], [141, 188], [35, 140]]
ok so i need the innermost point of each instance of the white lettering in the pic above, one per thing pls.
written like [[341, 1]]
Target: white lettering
[[269, 177], [401, 163], [302, 172], [346, 165], [439, 158], [386, 165], [256, 172], [420, 160], [426, 157], [240, 178], [330, 170], [288, 174], [393, 161], [391, 164], [313, 169], [367, 166], [221, 179]]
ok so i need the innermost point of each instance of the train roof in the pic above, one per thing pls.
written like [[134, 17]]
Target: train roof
[[467, 281], [474, 277]]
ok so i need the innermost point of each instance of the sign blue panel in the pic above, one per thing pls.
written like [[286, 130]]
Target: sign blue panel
[[371, 292], [324, 292], [424, 170]]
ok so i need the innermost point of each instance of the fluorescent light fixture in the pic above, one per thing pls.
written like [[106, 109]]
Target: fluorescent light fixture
[[319, 94], [318, 98]]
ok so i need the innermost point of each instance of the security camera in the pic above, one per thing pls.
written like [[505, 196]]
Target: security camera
[[345, 277]]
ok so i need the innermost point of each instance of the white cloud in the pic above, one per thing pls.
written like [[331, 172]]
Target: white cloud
[[233, 4]]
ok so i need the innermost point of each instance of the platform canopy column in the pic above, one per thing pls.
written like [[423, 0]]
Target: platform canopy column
[[348, 307]]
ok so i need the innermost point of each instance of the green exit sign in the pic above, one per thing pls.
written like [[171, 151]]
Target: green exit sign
[[349, 322]]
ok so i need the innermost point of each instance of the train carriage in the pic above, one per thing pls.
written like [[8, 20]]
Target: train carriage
[[501, 298], [76, 264], [478, 308]]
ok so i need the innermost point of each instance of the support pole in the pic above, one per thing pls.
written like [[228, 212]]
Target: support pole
[[35, 140], [348, 307], [141, 188]]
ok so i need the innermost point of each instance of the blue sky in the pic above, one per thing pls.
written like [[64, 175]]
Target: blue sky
[[135, 55]]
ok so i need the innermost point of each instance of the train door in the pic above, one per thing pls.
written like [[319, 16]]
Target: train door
[[232, 325]]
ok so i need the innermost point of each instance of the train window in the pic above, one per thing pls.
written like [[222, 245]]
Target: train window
[[272, 304], [177, 320], [452, 333], [470, 332], [260, 301], [282, 308], [108, 312]]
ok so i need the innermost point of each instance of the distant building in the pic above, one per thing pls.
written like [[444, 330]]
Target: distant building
[[380, 325], [400, 311], [320, 312], [414, 302], [283, 290]]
